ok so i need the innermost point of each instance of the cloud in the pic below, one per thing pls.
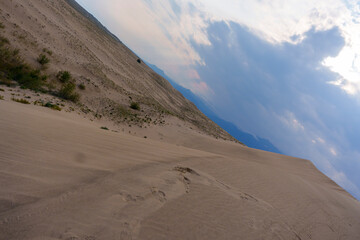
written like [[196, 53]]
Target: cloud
[[162, 31], [290, 120], [282, 92], [284, 70]]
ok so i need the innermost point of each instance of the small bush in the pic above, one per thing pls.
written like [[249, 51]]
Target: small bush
[[52, 106], [104, 128], [2, 25], [45, 50], [1, 97], [15, 52], [82, 86], [68, 92], [43, 60], [13, 69], [2, 90], [63, 76], [135, 106], [23, 101], [4, 41], [28, 78]]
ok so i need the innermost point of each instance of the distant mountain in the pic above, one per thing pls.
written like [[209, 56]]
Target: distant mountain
[[247, 138]]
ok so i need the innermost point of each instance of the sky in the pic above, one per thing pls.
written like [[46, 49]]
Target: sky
[[288, 71]]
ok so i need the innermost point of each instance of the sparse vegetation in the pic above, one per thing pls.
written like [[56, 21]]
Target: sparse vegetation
[[52, 106], [135, 106], [45, 50], [2, 90], [3, 41], [12, 68], [1, 97], [23, 101], [104, 128], [82, 86], [43, 59], [29, 78], [67, 92], [63, 76], [2, 25]]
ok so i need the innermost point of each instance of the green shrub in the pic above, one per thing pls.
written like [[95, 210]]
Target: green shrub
[[67, 92], [63, 76], [45, 50], [12, 68], [2, 25], [43, 59], [23, 101], [28, 78], [2, 90], [135, 106], [52, 106], [104, 128], [4, 41], [1, 97], [82, 86]]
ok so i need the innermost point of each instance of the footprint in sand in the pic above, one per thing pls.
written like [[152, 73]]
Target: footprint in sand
[[188, 175], [160, 195]]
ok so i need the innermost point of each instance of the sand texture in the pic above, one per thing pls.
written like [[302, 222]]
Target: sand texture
[[99, 170], [62, 177]]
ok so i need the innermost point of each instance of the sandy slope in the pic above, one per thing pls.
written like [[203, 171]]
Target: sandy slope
[[62, 177], [107, 68]]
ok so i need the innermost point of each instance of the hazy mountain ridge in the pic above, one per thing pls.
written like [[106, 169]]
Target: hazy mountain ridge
[[244, 137]]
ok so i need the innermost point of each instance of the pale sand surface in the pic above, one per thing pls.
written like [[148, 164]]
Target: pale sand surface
[[62, 177]]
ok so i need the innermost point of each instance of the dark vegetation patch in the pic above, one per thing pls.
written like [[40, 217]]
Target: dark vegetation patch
[[67, 92], [23, 101], [81, 86], [135, 106], [49, 52], [52, 106], [13, 68], [43, 59], [63, 76]]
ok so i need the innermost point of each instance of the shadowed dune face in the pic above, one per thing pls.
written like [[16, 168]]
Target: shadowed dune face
[[62, 177]]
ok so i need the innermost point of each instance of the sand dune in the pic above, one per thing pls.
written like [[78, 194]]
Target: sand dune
[[99, 169], [62, 177]]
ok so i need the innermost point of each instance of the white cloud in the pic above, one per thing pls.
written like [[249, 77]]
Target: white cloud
[[290, 120], [163, 36], [333, 151], [278, 20], [156, 32]]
